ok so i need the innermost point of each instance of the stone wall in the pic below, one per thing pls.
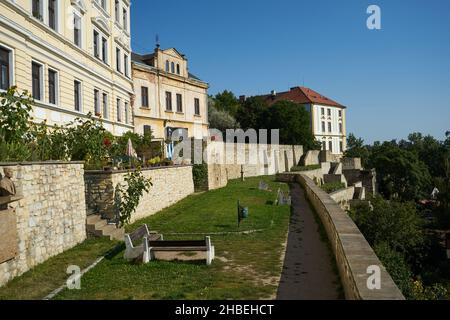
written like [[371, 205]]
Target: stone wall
[[269, 160], [352, 252], [51, 216], [170, 185]]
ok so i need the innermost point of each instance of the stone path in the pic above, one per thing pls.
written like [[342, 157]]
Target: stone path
[[307, 272]]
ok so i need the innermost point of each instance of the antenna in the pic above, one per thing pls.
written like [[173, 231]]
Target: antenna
[[157, 40]]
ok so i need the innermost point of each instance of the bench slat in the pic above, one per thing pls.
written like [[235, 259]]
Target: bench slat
[[178, 243], [178, 248]]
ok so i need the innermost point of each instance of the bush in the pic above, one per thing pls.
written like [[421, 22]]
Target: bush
[[305, 168], [200, 176], [332, 186], [13, 151]]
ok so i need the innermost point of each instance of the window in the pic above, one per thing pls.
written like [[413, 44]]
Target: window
[[96, 102], [36, 9], [168, 101], [147, 130], [77, 30], [119, 111], [103, 4], [125, 19], [197, 106], [105, 106], [96, 44], [329, 126], [77, 95], [340, 113], [126, 112], [52, 12], [179, 103], [341, 146], [322, 111], [167, 65], [323, 126], [36, 76], [116, 10], [340, 127], [125, 65], [172, 67], [105, 50], [330, 146], [144, 97], [118, 66], [329, 112], [178, 68], [52, 86], [5, 68], [324, 145]]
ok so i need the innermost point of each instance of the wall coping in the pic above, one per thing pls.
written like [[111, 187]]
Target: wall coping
[[34, 163], [348, 239], [99, 172]]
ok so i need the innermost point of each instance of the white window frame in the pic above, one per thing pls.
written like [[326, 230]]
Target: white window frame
[[12, 61], [80, 17], [105, 107], [57, 102], [41, 80], [80, 95], [101, 36], [126, 65], [45, 16], [125, 18], [119, 110], [98, 107]]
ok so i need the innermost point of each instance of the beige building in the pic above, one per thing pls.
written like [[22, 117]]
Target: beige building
[[74, 56], [167, 96]]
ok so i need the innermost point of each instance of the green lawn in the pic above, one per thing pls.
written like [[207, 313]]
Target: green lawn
[[247, 266]]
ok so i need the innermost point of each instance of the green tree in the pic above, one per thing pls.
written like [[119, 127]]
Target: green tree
[[251, 113], [226, 101], [356, 149], [400, 173], [396, 223], [294, 123], [220, 119]]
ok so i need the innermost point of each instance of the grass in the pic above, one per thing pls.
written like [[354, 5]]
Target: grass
[[332, 186], [247, 266], [305, 168], [46, 277]]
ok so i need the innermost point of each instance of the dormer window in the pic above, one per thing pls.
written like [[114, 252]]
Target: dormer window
[[167, 65], [178, 68], [172, 67]]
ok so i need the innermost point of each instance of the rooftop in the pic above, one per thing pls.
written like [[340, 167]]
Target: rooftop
[[301, 95]]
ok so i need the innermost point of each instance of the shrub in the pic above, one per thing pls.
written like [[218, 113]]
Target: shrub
[[14, 151], [332, 186], [305, 168], [128, 199], [200, 176]]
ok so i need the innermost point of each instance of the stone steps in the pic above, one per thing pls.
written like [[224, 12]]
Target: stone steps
[[99, 227]]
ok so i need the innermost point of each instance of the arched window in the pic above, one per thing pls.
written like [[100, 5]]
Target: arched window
[[167, 65], [172, 67], [178, 68]]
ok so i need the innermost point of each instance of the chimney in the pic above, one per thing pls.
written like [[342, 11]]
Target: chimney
[[273, 93], [242, 98]]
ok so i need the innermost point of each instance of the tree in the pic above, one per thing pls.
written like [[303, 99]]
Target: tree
[[251, 113], [220, 120], [399, 172], [294, 123], [226, 101], [396, 223], [356, 149]]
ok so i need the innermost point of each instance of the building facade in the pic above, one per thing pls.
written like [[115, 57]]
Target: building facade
[[73, 56], [328, 117], [167, 96]]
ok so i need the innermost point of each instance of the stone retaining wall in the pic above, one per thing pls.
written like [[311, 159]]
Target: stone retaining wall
[[170, 185], [352, 252], [51, 216]]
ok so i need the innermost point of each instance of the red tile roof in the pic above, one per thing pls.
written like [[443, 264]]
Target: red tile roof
[[302, 95]]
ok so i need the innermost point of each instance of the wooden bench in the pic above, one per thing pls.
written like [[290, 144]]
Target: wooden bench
[[141, 235], [183, 246]]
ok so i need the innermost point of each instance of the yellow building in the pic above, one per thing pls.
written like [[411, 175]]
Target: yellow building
[[74, 56], [167, 96]]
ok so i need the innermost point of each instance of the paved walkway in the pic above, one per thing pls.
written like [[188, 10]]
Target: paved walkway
[[307, 272]]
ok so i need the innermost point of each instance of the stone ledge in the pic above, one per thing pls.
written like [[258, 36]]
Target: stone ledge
[[32, 163], [128, 170]]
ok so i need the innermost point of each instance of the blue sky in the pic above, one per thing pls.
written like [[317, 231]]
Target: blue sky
[[394, 81]]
